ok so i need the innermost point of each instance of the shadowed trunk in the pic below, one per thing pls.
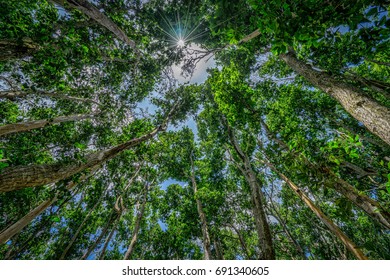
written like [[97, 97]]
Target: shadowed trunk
[[16, 49], [94, 13]]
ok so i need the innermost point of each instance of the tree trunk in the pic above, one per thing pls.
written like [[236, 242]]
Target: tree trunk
[[17, 227], [12, 94], [262, 226], [368, 205], [242, 241], [328, 222], [27, 126], [202, 216], [137, 226], [16, 49], [94, 13], [374, 116], [103, 252], [19, 177], [24, 221], [99, 239], [75, 235], [371, 113]]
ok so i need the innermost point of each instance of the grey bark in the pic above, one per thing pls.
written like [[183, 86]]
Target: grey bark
[[374, 116], [134, 235], [18, 226], [19, 177]]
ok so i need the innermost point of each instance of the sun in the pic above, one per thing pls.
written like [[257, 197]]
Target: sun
[[180, 43]]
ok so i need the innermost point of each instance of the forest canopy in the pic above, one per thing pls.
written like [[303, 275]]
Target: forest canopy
[[188, 129]]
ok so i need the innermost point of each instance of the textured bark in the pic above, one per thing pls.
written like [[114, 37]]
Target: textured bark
[[317, 211], [91, 11], [12, 94], [27, 126], [262, 226], [16, 49], [134, 235], [371, 113], [19, 177], [202, 216]]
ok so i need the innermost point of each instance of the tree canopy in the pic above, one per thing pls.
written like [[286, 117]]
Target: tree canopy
[[110, 150]]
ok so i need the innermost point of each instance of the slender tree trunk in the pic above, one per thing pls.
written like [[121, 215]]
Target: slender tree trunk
[[328, 222], [12, 94], [262, 226], [134, 235], [371, 113], [16, 49], [218, 250], [24, 221], [76, 234], [94, 13], [27, 126], [202, 216], [99, 239], [242, 241], [103, 252]]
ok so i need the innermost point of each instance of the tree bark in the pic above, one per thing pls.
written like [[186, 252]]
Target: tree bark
[[19, 177], [16, 49], [202, 216], [374, 116], [27, 126], [91, 11], [328, 222], [17, 227], [368, 205], [12, 94], [103, 252], [371, 113], [262, 226], [76, 234], [134, 235], [242, 241], [24, 221]]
